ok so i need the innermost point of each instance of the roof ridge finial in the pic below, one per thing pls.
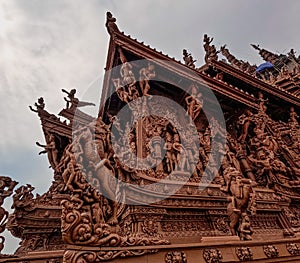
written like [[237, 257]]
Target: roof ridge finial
[[210, 50], [266, 54], [256, 47], [111, 23]]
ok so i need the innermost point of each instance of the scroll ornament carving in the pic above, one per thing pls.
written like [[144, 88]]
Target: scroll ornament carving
[[212, 256], [88, 217], [100, 256], [53, 261], [176, 257], [23, 197]]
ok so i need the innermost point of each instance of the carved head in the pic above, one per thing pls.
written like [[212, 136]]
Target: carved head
[[175, 257], [194, 90], [245, 218]]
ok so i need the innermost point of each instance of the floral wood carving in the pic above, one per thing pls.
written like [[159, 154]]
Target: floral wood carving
[[271, 251], [222, 225], [175, 257], [100, 256], [293, 249], [244, 253], [212, 256], [150, 227], [89, 217]]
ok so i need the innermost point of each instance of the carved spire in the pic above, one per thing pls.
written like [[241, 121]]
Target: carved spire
[[242, 65], [188, 59], [231, 58], [111, 23], [265, 54], [210, 50]]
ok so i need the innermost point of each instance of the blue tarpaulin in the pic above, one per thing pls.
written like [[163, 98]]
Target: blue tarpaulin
[[264, 66]]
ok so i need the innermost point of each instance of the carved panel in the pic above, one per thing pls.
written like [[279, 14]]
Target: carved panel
[[212, 256], [221, 224], [150, 227], [244, 253], [271, 251], [293, 249], [176, 257], [71, 256]]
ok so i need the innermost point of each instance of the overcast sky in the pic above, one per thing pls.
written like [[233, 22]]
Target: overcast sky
[[49, 45]]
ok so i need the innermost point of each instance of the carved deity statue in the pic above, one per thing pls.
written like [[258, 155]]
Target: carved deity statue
[[146, 74], [194, 103], [261, 102], [262, 163], [245, 120], [240, 190], [293, 120], [73, 102], [245, 229], [127, 74], [169, 151], [51, 150], [40, 105]]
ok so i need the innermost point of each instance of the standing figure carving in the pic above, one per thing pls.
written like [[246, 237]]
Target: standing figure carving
[[194, 103], [240, 190], [146, 74], [73, 102], [51, 150]]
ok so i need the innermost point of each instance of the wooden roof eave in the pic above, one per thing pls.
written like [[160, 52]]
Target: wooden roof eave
[[261, 85], [109, 65], [146, 52]]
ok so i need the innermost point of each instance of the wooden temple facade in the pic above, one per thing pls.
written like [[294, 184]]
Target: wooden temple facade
[[182, 164]]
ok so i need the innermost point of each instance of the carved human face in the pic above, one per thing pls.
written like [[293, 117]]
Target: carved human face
[[177, 257], [246, 218], [194, 90], [176, 137], [151, 67], [132, 146]]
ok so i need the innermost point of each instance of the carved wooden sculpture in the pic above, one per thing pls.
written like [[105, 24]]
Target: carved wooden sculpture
[[7, 186], [127, 184]]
